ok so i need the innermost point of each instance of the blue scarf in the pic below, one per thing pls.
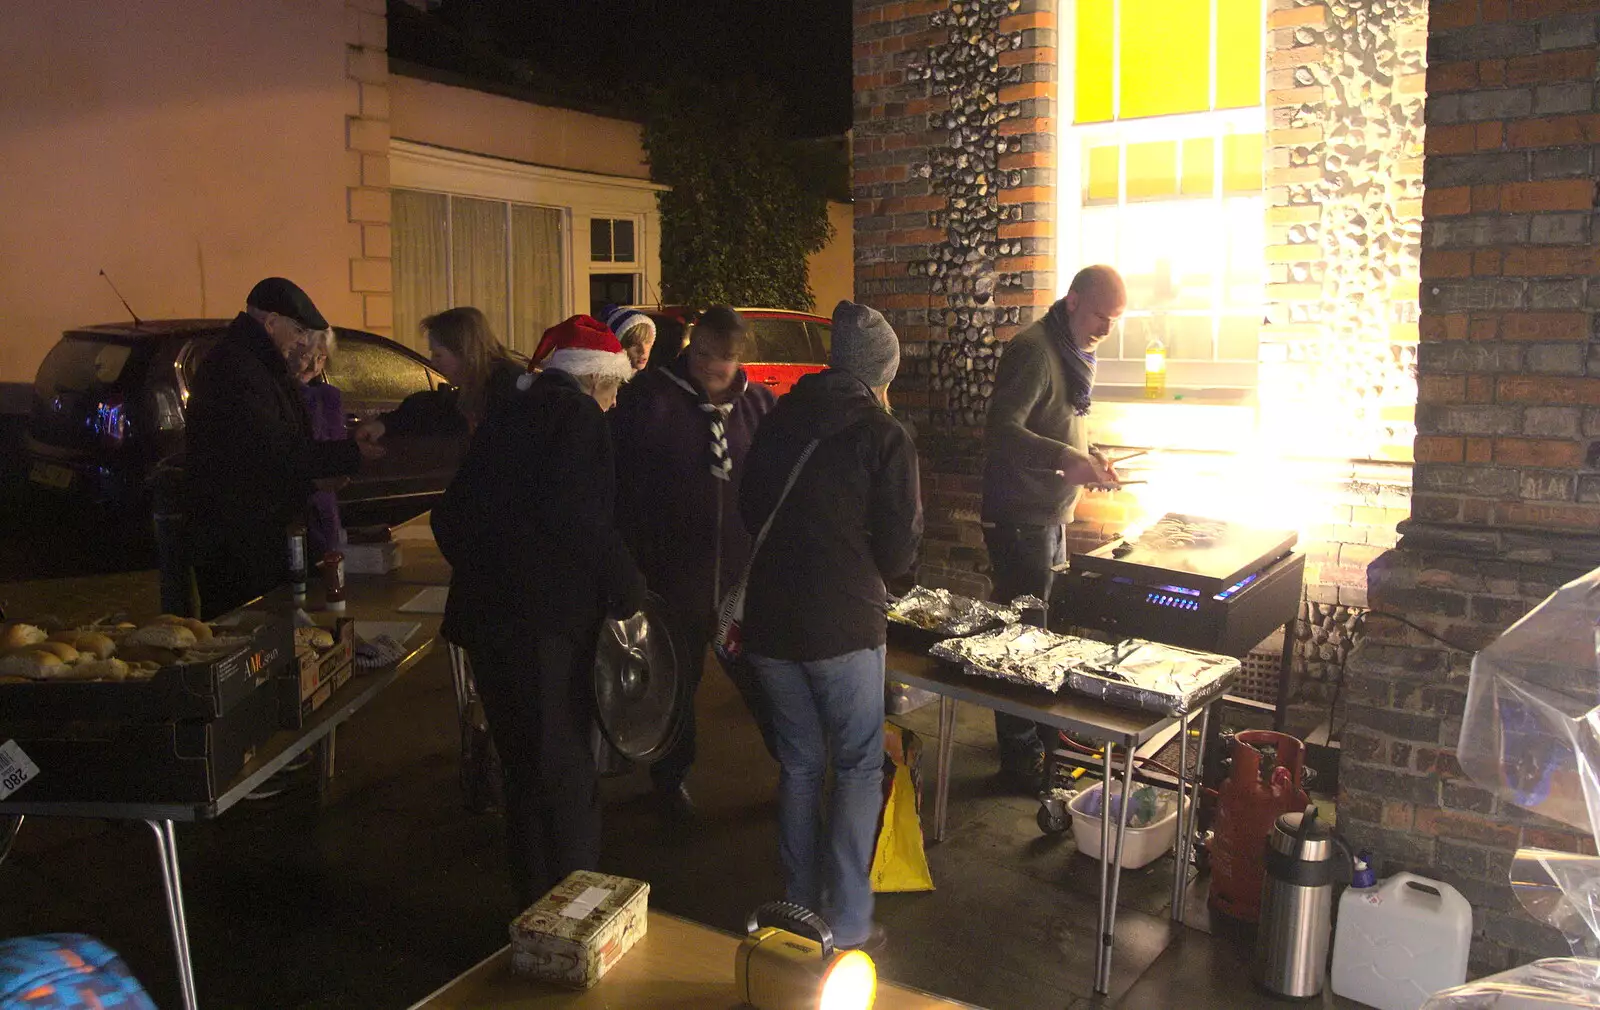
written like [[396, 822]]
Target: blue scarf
[[1080, 363]]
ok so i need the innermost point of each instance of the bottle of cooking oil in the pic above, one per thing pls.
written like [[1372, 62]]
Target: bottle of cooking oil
[[1155, 369]]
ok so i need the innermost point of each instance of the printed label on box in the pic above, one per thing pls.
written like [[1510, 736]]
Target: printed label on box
[[586, 902], [16, 768]]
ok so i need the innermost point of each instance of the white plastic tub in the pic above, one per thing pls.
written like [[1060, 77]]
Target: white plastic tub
[[1142, 846]]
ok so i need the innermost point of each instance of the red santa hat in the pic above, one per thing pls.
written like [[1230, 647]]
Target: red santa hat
[[582, 345]]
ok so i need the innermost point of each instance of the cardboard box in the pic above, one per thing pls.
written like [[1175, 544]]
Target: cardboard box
[[315, 675], [372, 559], [577, 932]]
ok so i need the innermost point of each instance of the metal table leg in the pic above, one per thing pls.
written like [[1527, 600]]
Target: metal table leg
[[1190, 818], [941, 789], [1108, 903], [1180, 851], [167, 847]]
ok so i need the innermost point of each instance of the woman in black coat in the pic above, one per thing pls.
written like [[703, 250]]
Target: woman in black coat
[[537, 562]]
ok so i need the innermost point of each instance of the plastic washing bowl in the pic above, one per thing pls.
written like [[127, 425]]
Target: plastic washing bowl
[[1142, 846]]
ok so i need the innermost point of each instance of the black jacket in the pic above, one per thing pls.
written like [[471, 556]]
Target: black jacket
[[527, 524], [853, 520], [436, 412], [250, 456], [670, 506], [1031, 421]]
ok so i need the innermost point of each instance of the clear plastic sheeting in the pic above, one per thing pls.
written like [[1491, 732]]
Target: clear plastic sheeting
[[1531, 735], [946, 613], [1154, 677], [1543, 985]]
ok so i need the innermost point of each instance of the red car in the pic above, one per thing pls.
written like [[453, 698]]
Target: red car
[[787, 344]]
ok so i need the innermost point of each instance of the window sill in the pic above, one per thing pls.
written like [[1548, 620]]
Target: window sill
[[1196, 419]]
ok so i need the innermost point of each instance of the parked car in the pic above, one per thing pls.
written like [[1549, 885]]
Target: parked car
[[787, 344], [108, 405]]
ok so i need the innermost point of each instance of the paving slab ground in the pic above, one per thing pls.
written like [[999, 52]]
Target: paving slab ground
[[388, 886]]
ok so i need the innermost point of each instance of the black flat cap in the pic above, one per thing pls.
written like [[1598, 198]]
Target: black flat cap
[[283, 296]]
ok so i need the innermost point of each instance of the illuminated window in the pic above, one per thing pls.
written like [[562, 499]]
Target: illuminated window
[[1162, 177]]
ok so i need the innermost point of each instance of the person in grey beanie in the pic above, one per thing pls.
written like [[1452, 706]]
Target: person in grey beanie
[[814, 608]]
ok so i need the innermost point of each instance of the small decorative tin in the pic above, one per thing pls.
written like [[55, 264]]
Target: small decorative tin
[[577, 932]]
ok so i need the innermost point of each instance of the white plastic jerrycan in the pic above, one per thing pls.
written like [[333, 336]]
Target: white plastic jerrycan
[[1400, 942]]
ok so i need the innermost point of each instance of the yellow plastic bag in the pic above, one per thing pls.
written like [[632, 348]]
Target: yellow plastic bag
[[899, 864]]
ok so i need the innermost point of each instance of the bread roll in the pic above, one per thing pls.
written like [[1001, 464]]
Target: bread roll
[[162, 636], [88, 643], [317, 638], [31, 663], [15, 636], [96, 669], [61, 650], [202, 630], [136, 653], [166, 619]]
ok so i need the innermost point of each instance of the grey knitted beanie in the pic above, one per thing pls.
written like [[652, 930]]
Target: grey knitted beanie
[[864, 345]]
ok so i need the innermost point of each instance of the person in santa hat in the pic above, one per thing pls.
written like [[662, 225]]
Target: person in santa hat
[[537, 563]]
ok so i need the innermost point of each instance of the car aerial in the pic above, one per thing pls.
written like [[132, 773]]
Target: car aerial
[[108, 406], [787, 344]]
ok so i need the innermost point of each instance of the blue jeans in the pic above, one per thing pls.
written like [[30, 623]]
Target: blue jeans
[[829, 709], [1021, 560]]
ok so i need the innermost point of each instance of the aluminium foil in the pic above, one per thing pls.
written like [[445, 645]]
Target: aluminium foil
[[1153, 677]]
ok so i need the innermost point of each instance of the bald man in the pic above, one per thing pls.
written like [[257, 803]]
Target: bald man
[[1036, 460]]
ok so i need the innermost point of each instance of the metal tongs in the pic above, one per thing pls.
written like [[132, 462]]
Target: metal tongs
[[1113, 463]]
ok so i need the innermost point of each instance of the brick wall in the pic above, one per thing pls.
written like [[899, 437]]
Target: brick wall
[[954, 239], [366, 39], [1507, 499]]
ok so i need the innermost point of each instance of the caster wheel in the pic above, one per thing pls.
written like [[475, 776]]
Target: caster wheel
[[1053, 818]]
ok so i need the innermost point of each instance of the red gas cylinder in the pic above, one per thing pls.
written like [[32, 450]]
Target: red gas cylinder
[[1263, 783]]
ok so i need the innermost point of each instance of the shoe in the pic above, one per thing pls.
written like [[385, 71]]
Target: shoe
[[877, 939], [1027, 778], [675, 804]]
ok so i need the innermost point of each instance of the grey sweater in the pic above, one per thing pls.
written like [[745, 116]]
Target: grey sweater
[[1031, 421]]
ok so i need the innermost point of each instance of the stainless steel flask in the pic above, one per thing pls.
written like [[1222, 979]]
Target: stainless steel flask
[[1303, 858]]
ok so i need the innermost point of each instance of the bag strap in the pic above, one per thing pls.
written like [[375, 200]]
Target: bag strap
[[788, 486]]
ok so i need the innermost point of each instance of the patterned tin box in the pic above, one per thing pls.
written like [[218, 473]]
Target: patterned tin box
[[578, 931]]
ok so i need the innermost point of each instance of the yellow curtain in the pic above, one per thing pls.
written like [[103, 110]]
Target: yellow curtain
[[420, 244], [535, 275], [478, 258]]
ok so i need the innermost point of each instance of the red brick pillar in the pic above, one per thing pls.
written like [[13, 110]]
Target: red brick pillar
[[1507, 495], [954, 242]]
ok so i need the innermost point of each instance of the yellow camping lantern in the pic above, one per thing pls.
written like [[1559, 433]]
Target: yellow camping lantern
[[780, 967]]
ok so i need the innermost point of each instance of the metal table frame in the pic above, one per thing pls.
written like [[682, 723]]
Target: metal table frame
[[1110, 726], [270, 759]]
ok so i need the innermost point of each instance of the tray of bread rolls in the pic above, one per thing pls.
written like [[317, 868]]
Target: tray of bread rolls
[[154, 670]]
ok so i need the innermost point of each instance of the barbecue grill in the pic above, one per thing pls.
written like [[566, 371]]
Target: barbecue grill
[[1188, 581]]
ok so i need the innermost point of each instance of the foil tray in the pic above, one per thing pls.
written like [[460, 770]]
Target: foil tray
[[1022, 654], [1156, 678], [948, 615]]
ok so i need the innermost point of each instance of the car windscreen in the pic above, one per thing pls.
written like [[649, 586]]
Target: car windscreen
[[370, 372], [782, 341], [82, 364]]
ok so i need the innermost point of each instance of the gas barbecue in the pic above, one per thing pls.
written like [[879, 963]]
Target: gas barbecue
[[1187, 581]]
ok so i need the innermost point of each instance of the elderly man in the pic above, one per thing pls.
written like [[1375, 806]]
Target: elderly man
[[251, 459], [1036, 459]]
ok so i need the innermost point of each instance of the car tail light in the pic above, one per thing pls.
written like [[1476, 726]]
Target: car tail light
[[110, 421], [169, 409]]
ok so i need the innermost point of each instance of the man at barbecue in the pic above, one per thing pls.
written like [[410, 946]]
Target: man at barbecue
[[1036, 461], [250, 458]]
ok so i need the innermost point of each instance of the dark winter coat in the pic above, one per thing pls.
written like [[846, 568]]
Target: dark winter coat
[[853, 520], [437, 412], [250, 456], [1031, 421], [671, 508], [527, 524]]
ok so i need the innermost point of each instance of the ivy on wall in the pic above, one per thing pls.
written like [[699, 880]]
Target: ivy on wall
[[739, 220]]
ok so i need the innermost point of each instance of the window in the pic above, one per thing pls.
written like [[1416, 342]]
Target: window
[[1167, 149], [503, 258], [371, 376], [611, 240], [610, 289], [781, 341]]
